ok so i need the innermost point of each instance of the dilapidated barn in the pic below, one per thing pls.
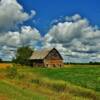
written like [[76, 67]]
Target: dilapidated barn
[[46, 58]]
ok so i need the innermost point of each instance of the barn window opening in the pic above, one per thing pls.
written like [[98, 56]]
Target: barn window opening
[[47, 65], [54, 65]]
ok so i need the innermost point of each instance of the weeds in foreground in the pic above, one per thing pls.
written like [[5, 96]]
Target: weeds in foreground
[[28, 78], [11, 72]]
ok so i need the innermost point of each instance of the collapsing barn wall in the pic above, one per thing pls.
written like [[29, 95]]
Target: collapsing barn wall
[[37, 63]]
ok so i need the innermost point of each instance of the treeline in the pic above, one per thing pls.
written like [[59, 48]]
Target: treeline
[[1, 61], [90, 63]]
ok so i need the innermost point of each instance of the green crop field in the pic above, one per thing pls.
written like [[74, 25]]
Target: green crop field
[[77, 82], [82, 75]]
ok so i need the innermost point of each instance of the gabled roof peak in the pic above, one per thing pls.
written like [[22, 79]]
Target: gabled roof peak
[[41, 54]]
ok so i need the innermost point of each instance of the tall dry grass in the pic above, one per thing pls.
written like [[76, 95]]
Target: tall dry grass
[[5, 65], [65, 87]]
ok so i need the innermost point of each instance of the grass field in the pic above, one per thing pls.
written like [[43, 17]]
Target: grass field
[[77, 82]]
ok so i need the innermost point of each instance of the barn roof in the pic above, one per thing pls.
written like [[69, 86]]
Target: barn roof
[[40, 54]]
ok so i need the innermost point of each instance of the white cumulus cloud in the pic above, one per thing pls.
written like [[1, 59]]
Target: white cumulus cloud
[[10, 41], [12, 14], [75, 38]]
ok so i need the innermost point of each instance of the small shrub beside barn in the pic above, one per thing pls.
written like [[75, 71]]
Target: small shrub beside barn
[[46, 58]]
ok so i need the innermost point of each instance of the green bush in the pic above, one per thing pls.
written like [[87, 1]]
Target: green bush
[[11, 72]]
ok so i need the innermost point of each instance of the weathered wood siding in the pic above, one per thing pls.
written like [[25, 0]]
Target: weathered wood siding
[[53, 63], [53, 59]]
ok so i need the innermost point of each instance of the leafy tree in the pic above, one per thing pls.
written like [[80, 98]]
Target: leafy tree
[[22, 55]]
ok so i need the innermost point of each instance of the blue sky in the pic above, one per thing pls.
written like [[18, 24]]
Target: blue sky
[[71, 26], [49, 10]]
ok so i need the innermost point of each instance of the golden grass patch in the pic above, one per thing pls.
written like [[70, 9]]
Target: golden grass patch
[[5, 65], [3, 97]]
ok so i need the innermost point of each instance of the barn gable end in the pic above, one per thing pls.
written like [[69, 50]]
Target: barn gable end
[[54, 55]]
